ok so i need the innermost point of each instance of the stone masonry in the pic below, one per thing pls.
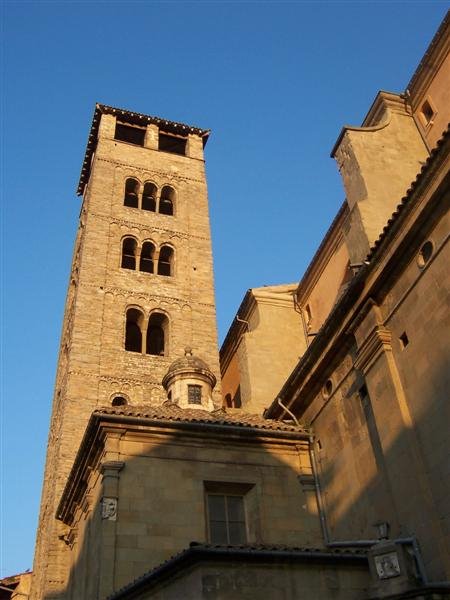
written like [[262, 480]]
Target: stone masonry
[[93, 363]]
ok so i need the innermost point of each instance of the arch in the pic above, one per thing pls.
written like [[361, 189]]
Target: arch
[[165, 261], [131, 197], [133, 330], [149, 196], [157, 334], [167, 201], [128, 261], [146, 260], [119, 401]]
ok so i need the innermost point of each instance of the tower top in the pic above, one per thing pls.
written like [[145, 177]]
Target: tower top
[[133, 119]]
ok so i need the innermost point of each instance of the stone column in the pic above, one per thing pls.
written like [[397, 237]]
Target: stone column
[[194, 147], [151, 137], [107, 128], [399, 444], [109, 504]]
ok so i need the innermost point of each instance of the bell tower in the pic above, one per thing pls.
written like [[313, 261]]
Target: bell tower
[[140, 291]]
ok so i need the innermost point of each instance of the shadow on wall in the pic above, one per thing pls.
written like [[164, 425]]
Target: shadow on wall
[[158, 486], [366, 480]]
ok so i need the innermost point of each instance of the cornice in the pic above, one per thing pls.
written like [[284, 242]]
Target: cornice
[[431, 62], [330, 243], [376, 343]]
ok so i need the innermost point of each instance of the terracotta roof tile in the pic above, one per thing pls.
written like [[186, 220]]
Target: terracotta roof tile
[[172, 412]]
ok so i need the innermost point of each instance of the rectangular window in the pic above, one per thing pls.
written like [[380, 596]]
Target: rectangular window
[[194, 394], [132, 135], [171, 143], [226, 519]]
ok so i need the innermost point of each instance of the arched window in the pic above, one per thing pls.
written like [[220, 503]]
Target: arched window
[[128, 253], [167, 201], [157, 330], [149, 197], [165, 261], [133, 333], [131, 193], [146, 262], [119, 401]]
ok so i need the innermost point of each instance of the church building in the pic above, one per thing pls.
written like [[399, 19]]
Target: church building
[[175, 471]]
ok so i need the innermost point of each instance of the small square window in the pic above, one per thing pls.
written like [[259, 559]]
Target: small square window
[[194, 394], [427, 113], [404, 341]]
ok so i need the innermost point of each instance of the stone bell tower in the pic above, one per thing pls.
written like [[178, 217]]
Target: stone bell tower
[[140, 291]]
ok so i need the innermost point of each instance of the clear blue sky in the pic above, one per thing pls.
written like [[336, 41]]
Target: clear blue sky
[[275, 81]]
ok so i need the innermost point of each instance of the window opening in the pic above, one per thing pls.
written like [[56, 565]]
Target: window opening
[[128, 253], [226, 519], [131, 193], [173, 144], [146, 261], [165, 261], [149, 197], [194, 394], [133, 335], [327, 388], [425, 253], [167, 200], [156, 334], [132, 135], [427, 112], [119, 401], [404, 341], [227, 401]]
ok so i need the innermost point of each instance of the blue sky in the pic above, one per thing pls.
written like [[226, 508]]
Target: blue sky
[[275, 81]]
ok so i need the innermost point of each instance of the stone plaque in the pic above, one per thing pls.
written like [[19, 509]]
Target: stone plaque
[[387, 565], [109, 508]]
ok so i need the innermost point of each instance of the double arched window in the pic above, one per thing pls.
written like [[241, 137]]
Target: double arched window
[[148, 198], [147, 257], [146, 336]]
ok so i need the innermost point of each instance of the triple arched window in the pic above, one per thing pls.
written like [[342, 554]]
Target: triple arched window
[[146, 336], [147, 257], [148, 197]]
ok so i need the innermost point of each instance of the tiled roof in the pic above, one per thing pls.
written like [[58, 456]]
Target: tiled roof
[[261, 552], [173, 413], [129, 117]]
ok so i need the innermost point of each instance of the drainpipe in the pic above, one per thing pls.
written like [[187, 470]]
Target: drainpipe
[[412, 540], [322, 514], [299, 310]]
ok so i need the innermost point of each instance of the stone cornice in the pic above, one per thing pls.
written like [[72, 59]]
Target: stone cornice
[[376, 343]]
